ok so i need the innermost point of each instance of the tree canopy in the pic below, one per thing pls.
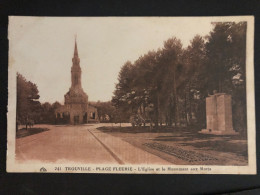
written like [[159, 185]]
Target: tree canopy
[[173, 82], [28, 104]]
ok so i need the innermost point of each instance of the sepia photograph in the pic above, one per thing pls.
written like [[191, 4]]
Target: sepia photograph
[[137, 95]]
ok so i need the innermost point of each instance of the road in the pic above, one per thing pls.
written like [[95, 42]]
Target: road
[[80, 144]]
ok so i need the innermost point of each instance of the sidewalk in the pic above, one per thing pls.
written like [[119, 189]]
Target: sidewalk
[[185, 147], [126, 152]]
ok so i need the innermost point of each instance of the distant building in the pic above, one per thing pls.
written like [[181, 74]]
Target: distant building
[[77, 109]]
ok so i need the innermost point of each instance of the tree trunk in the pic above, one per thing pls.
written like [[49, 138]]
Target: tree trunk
[[156, 110], [185, 107], [190, 102], [176, 116], [170, 115], [144, 114]]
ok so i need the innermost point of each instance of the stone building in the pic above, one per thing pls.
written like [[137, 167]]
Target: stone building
[[76, 109]]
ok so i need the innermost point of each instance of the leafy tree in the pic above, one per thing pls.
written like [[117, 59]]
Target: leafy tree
[[226, 58], [172, 68], [122, 98], [194, 91], [28, 106]]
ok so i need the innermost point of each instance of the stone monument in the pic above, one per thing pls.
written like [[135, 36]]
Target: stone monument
[[219, 115]]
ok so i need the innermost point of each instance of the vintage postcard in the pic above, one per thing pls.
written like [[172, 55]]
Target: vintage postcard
[[136, 95]]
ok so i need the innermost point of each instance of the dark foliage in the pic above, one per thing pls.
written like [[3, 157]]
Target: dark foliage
[[170, 85]]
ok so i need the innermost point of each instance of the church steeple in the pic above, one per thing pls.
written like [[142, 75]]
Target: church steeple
[[75, 69], [75, 58], [76, 48]]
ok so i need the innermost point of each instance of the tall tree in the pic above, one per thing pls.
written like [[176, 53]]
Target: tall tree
[[194, 91], [28, 105], [171, 56], [226, 58]]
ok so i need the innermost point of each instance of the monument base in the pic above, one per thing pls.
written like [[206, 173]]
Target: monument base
[[218, 132]]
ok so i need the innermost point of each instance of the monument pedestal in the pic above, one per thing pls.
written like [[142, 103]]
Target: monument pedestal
[[218, 132], [219, 115]]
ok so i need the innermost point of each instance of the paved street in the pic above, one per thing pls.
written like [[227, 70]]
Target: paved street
[[80, 144]]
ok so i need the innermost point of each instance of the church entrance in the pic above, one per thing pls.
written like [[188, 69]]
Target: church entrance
[[76, 120]]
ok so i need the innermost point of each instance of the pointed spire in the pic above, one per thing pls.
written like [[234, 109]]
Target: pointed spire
[[75, 49]]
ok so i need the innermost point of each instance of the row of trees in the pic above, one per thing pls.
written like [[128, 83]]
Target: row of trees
[[170, 85]]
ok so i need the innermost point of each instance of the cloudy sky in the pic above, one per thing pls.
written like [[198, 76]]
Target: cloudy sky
[[41, 48]]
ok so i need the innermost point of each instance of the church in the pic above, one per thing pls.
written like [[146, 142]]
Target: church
[[76, 109]]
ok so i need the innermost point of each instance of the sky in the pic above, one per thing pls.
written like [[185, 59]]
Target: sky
[[41, 48]]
